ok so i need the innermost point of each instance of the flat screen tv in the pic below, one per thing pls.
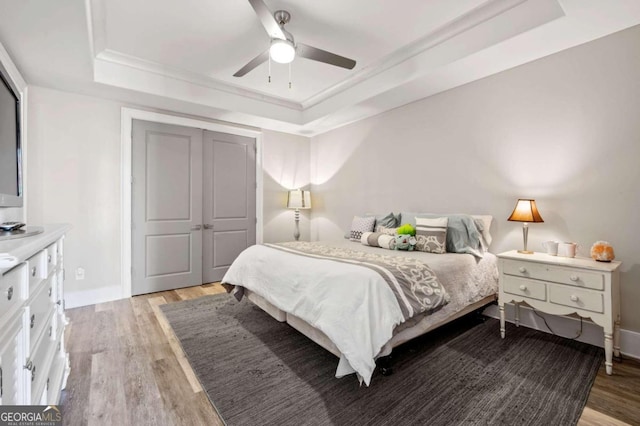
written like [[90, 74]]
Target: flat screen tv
[[10, 144]]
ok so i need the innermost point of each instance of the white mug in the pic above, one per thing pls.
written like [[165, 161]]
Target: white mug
[[567, 249], [551, 247]]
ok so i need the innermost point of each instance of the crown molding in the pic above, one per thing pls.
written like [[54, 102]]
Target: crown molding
[[353, 98], [134, 62], [480, 30], [96, 25], [459, 25]]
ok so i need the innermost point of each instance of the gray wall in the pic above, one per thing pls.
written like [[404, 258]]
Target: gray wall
[[74, 177], [564, 130], [286, 166]]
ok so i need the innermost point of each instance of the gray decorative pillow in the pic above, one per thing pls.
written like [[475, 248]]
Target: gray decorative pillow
[[386, 231], [431, 234], [388, 221], [376, 239], [360, 225], [370, 239]]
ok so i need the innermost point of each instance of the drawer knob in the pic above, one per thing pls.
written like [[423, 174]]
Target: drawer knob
[[574, 298], [573, 277], [33, 320], [33, 271], [10, 293], [49, 291], [49, 258], [50, 330], [522, 269], [523, 287], [33, 373]]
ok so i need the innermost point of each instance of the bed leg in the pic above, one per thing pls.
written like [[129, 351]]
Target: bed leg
[[384, 363], [479, 316]]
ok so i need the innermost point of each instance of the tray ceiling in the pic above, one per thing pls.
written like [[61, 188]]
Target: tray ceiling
[[182, 55]]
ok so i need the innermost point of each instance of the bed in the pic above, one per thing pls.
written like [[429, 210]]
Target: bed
[[359, 320]]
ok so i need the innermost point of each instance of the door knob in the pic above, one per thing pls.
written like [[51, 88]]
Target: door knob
[[196, 228], [208, 226]]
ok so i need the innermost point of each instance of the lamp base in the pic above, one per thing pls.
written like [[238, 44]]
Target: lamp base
[[525, 252]]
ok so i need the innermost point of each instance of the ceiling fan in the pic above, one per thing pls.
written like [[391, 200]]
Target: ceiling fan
[[283, 48]]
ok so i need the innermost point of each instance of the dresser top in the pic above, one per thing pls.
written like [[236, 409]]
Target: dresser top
[[23, 248], [576, 262]]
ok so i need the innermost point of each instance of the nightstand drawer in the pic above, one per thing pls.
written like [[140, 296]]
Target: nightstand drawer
[[524, 287], [575, 298], [558, 274]]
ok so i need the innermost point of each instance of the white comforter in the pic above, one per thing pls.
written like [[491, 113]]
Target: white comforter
[[358, 316]]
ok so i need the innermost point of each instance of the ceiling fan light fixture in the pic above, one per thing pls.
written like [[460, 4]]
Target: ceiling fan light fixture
[[282, 51]]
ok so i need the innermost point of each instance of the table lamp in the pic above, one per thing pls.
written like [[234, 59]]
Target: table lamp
[[298, 199], [525, 211]]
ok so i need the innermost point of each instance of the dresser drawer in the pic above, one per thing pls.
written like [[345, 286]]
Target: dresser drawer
[[524, 287], [52, 257], [60, 249], [40, 361], [13, 290], [576, 298], [571, 276], [37, 270], [40, 310], [60, 289]]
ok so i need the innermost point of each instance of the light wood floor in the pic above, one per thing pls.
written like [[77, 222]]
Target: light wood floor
[[127, 368]]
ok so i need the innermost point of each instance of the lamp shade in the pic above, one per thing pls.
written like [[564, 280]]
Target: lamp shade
[[299, 199], [525, 211]]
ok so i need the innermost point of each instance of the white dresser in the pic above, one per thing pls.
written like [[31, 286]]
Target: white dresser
[[34, 365], [562, 286]]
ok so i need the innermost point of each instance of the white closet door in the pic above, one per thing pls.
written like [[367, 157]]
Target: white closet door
[[166, 207], [229, 200]]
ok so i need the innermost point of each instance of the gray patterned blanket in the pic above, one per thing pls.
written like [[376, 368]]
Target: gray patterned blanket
[[413, 283]]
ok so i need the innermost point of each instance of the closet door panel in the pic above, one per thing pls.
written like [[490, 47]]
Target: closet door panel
[[229, 200], [167, 207]]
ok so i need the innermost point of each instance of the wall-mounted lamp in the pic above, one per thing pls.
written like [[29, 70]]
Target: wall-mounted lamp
[[298, 199], [525, 211]]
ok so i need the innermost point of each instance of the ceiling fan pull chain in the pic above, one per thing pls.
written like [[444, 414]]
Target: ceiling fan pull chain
[[269, 68], [289, 75]]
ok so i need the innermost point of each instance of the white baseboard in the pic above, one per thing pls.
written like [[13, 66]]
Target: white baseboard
[[75, 299], [569, 327]]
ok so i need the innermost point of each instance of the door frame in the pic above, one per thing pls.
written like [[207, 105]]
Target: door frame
[[126, 120]]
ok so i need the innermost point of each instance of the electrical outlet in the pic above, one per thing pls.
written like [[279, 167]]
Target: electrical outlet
[[79, 274]]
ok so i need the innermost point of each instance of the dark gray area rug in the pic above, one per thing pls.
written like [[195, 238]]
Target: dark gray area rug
[[257, 371]]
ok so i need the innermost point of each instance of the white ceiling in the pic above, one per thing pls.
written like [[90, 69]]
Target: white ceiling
[[216, 38], [182, 55]]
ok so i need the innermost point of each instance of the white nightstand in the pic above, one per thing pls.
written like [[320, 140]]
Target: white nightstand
[[562, 286]]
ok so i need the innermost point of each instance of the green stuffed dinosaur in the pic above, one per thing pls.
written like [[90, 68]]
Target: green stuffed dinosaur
[[405, 239], [406, 229]]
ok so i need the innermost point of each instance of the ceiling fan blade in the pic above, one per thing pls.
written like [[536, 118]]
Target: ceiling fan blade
[[268, 21], [253, 63], [320, 55]]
